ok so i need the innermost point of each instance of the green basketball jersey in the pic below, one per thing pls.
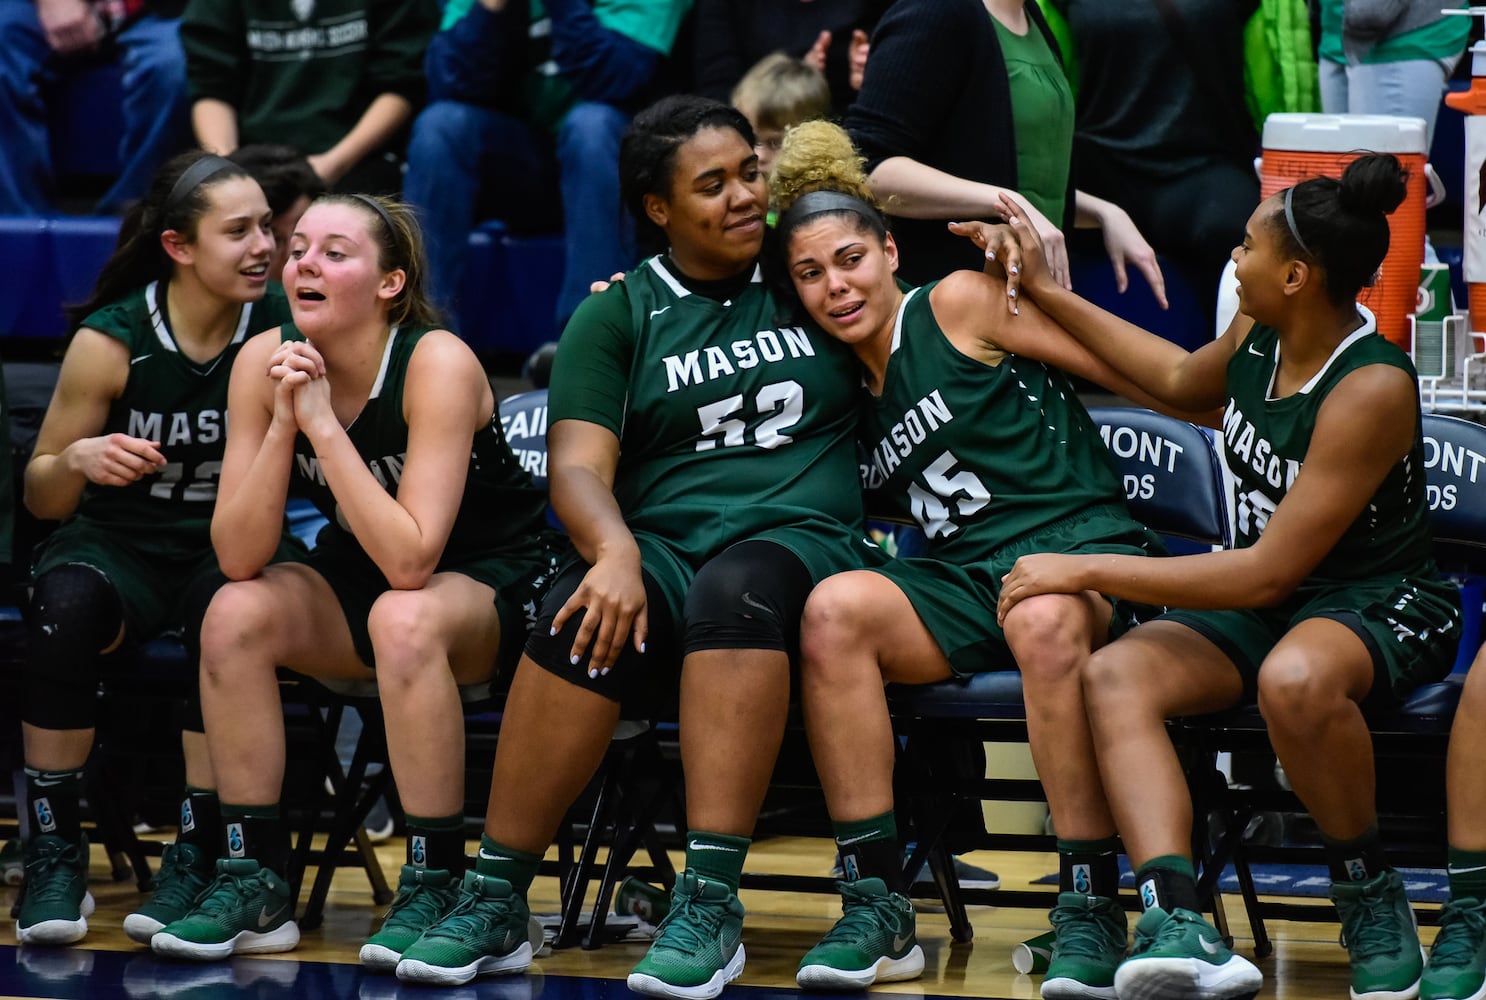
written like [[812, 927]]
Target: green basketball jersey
[[977, 454], [1265, 442], [177, 402], [733, 424], [501, 510]]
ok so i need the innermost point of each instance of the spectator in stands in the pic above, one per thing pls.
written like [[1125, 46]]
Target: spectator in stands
[[965, 100], [523, 124], [50, 39], [831, 35], [435, 545], [661, 594], [128, 457], [289, 183], [1339, 604], [1164, 123], [1389, 57], [338, 80], [780, 91], [1003, 478]]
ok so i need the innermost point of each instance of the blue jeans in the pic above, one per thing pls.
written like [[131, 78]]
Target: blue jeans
[[153, 106], [1410, 88], [467, 163]]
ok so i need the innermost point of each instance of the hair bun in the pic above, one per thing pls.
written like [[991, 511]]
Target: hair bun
[[818, 156], [1373, 184]]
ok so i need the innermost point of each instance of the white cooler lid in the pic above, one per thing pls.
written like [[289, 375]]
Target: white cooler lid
[[1316, 133]]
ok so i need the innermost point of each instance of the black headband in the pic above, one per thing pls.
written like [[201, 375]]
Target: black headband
[[376, 206], [193, 177], [821, 202]]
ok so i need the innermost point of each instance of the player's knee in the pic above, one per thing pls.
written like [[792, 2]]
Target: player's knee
[[405, 635], [1048, 637], [834, 620], [1294, 692], [75, 614], [241, 619]]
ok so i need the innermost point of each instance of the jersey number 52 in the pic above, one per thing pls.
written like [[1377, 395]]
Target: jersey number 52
[[781, 404]]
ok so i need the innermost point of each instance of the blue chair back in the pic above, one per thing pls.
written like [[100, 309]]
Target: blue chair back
[[1173, 481], [1455, 476], [523, 418]]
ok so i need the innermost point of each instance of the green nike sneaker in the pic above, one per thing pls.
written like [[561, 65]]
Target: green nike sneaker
[[247, 910], [873, 942], [485, 934], [55, 903], [424, 897], [1381, 937], [698, 947], [1457, 962], [183, 876], [1089, 944], [1179, 956]]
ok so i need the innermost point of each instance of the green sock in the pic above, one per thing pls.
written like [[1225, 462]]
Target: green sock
[[436, 842], [717, 856], [257, 832], [54, 798], [869, 849], [1091, 867], [1467, 871], [201, 821], [499, 861], [1359, 859], [1168, 881]]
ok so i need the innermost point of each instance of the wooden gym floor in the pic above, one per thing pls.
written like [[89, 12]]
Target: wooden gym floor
[[1307, 962]]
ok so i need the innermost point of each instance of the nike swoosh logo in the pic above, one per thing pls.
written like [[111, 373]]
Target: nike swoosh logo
[[1466, 871], [492, 857], [697, 846], [1257, 354], [1211, 947], [860, 837], [656, 312], [265, 918], [48, 784], [901, 941], [142, 357]]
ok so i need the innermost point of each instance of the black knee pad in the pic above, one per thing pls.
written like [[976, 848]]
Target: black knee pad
[[75, 614], [750, 596], [631, 681]]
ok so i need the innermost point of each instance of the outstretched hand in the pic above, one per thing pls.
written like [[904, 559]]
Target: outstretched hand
[[1125, 246], [1003, 252]]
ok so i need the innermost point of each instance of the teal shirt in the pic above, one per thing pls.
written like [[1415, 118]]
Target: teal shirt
[[1043, 118], [1441, 39]]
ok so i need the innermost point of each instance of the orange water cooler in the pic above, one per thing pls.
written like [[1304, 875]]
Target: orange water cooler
[[1300, 146], [1472, 103]]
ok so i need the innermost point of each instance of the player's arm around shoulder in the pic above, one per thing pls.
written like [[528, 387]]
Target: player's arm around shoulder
[[974, 311], [69, 449], [1364, 428], [251, 493]]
